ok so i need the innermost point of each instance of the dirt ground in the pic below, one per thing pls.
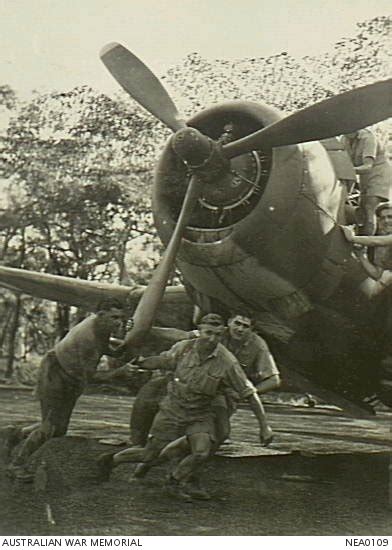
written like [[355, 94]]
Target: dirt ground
[[338, 494]]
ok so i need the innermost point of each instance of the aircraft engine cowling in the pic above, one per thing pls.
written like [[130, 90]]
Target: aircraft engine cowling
[[229, 198], [258, 237]]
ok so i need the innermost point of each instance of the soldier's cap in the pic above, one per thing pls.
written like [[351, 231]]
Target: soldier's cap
[[382, 207], [212, 320]]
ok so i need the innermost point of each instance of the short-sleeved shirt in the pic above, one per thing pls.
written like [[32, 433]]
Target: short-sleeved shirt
[[253, 355], [378, 180], [196, 382], [365, 145]]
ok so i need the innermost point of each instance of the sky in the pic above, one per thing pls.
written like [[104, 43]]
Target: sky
[[54, 44]]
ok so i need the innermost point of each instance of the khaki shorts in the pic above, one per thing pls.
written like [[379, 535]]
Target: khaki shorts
[[167, 427], [57, 393]]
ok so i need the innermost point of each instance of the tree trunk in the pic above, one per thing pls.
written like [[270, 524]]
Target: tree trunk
[[5, 327], [8, 236], [15, 320], [12, 338], [124, 277], [62, 320]]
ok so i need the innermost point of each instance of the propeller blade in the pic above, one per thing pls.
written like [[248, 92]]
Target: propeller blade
[[337, 115], [149, 303], [141, 84]]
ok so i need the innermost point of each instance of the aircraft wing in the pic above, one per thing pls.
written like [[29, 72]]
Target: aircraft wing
[[78, 292]]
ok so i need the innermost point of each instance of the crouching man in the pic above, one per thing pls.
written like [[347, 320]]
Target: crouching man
[[203, 368], [257, 362]]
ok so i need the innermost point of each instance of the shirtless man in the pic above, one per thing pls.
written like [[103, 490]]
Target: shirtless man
[[65, 371]]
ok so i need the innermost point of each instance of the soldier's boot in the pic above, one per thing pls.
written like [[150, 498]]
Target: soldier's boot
[[177, 489], [105, 463], [20, 472], [142, 469], [194, 488]]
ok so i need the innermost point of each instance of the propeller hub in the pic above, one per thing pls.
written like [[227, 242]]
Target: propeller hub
[[200, 154], [193, 148]]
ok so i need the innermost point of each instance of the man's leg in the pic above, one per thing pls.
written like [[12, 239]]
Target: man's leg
[[13, 435], [146, 457], [145, 408], [368, 205], [151, 456], [178, 448], [131, 454], [222, 425], [166, 428], [187, 469], [184, 480], [56, 410], [33, 442], [48, 428]]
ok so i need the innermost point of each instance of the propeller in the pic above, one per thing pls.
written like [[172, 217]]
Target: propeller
[[144, 315], [341, 114], [144, 87], [141, 84]]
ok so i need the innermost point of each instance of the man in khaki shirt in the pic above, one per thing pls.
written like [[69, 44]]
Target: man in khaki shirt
[[253, 355], [203, 368], [257, 362], [368, 155]]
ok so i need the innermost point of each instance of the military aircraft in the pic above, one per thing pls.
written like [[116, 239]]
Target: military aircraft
[[248, 203]]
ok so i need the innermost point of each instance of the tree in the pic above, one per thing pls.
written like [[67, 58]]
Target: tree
[[71, 190]]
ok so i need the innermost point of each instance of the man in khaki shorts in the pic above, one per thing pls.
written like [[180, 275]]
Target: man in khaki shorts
[[65, 371], [203, 368]]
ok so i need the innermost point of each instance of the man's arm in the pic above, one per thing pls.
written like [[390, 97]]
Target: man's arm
[[366, 240], [373, 271], [154, 362], [114, 348], [172, 335], [259, 412], [366, 166], [237, 380], [374, 240], [166, 360], [369, 153], [268, 384], [116, 373], [149, 363], [265, 368]]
